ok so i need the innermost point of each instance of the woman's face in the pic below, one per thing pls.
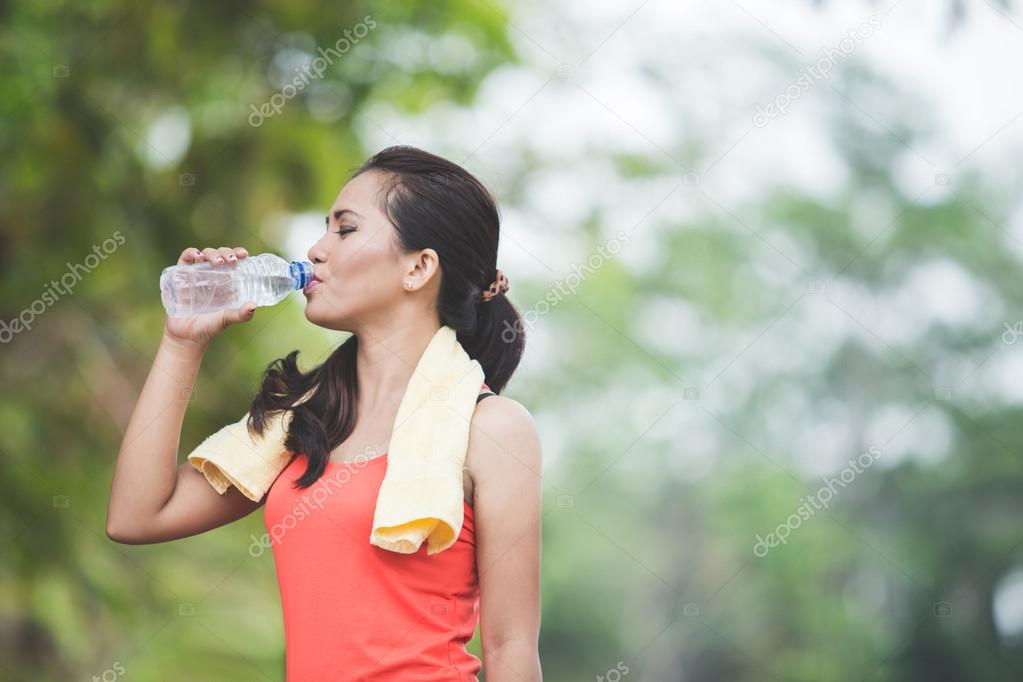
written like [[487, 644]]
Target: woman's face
[[360, 270]]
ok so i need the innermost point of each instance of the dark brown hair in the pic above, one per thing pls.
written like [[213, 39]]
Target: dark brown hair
[[433, 203]]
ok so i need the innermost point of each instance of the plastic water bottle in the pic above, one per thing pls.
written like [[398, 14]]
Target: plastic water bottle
[[197, 288]]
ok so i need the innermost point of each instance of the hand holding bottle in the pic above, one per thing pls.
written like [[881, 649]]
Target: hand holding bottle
[[199, 330]]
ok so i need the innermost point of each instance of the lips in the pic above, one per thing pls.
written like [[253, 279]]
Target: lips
[[313, 283]]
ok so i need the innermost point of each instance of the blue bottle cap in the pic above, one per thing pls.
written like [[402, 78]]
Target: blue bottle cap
[[301, 272]]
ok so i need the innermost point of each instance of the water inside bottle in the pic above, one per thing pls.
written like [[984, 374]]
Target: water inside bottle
[[204, 287]]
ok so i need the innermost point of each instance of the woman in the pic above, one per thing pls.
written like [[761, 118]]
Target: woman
[[410, 244]]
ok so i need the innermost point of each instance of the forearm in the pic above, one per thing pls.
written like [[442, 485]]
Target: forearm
[[146, 471], [514, 661]]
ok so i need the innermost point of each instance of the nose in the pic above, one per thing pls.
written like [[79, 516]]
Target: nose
[[316, 253]]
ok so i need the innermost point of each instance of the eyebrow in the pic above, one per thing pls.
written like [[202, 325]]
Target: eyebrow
[[339, 213]]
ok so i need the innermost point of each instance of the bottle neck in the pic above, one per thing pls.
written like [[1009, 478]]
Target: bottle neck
[[301, 273]]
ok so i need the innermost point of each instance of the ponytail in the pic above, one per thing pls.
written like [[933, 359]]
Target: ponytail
[[497, 341]]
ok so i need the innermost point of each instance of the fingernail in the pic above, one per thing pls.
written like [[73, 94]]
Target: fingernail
[[219, 259]]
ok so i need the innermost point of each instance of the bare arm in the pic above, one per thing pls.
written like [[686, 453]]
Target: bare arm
[[507, 465], [152, 498]]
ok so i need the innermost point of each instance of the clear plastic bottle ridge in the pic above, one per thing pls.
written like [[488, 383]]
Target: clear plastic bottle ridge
[[197, 288]]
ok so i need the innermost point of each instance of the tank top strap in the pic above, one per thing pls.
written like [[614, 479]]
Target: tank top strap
[[485, 392]]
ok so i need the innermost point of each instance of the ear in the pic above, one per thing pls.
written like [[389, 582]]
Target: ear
[[423, 267]]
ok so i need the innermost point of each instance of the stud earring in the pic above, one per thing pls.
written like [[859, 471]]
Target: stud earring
[[408, 285]]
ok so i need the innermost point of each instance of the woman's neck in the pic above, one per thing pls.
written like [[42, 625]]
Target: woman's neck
[[385, 361]]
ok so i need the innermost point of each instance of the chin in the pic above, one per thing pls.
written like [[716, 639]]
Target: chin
[[329, 319]]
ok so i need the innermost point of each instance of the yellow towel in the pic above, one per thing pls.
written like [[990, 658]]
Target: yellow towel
[[231, 456], [421, 495]]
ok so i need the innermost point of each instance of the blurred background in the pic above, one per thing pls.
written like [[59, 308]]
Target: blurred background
[[768, 256]]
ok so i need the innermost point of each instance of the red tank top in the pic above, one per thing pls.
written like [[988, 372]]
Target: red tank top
[[354, 611]]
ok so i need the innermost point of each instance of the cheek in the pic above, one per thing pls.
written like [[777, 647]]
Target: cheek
[[347, 255], [364, 260]]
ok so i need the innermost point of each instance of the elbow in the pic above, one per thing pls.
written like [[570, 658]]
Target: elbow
[[127, 526], [115, 530], [123, 535], [116, 534]]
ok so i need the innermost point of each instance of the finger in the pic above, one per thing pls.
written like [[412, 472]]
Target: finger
[[242, 314], [227, 254], [241, 252], [212, 255], [188, 255]]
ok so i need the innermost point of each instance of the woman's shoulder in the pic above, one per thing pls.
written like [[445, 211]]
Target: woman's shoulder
[[502, 436]]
